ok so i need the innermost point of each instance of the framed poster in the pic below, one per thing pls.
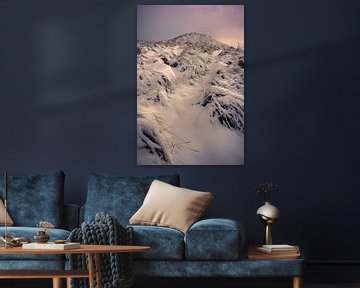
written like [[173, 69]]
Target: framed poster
[[190, 85]]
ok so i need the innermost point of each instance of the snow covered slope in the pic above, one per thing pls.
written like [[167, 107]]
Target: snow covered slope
[[190, 99]]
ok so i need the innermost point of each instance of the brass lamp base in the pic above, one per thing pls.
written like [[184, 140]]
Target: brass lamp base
[[268, 238]]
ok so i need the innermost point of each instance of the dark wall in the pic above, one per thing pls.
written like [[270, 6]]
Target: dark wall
[[68, 101]]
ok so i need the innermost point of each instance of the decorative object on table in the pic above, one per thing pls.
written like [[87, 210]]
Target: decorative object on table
[[60, 241], [268, 213], [45, 225], [11, 241], [41, 236]]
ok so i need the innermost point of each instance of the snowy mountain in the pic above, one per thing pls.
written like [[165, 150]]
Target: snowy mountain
[[190, 98]]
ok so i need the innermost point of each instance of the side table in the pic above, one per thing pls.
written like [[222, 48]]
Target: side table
[[289, 261]]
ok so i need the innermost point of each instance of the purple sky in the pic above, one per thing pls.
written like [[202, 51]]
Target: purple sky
[[225, 23]]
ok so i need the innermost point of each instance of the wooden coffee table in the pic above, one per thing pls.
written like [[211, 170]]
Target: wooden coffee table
[[92, 251]]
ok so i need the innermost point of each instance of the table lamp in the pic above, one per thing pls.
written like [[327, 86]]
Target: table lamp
[[268, 214]]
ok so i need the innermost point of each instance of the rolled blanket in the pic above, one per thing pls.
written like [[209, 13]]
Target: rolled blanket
[[116, 268]]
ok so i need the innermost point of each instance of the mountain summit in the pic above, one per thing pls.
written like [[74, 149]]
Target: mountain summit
[[194, 38]]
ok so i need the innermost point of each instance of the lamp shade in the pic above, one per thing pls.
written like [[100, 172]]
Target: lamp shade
[[269, 211]]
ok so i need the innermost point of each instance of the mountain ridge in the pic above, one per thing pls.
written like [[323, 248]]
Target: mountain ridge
[[189, 38]]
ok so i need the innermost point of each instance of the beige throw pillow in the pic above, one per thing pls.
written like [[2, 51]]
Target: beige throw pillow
[[9, 221], [170, 206]]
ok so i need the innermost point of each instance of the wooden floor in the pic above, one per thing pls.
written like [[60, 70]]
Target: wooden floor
[[339, 285], [45, 283]]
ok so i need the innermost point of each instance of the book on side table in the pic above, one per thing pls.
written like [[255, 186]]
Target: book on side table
[[272, 249], [51, 246], [274, 252]]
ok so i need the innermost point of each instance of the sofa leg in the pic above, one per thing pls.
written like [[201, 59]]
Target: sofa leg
[[297, 282], [57, 283]]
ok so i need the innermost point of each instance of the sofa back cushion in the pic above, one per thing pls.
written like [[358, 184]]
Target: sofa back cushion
[[120, 196], [35, 198]]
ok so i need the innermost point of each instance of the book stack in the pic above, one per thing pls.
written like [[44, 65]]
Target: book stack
[[279, 249], [51, 246], [282, 251]]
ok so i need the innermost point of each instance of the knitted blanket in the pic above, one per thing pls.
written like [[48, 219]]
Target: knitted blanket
[[116, 268]]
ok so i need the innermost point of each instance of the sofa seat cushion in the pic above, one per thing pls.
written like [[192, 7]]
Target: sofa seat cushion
[[35, 198], [213, 269], [39, 264], [214, 239], [166, 243], [120, 196], [29, 232]]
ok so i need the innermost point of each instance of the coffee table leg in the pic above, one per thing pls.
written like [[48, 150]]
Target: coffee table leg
[[91, 270], [98, 270], [297, 282], [68, 282], [57, 283]]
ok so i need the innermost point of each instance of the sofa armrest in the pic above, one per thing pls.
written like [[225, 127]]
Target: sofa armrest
[[215, 239], [70, 216]]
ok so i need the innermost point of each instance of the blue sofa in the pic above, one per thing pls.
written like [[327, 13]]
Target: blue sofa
[[32, 199], [210, 248]]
